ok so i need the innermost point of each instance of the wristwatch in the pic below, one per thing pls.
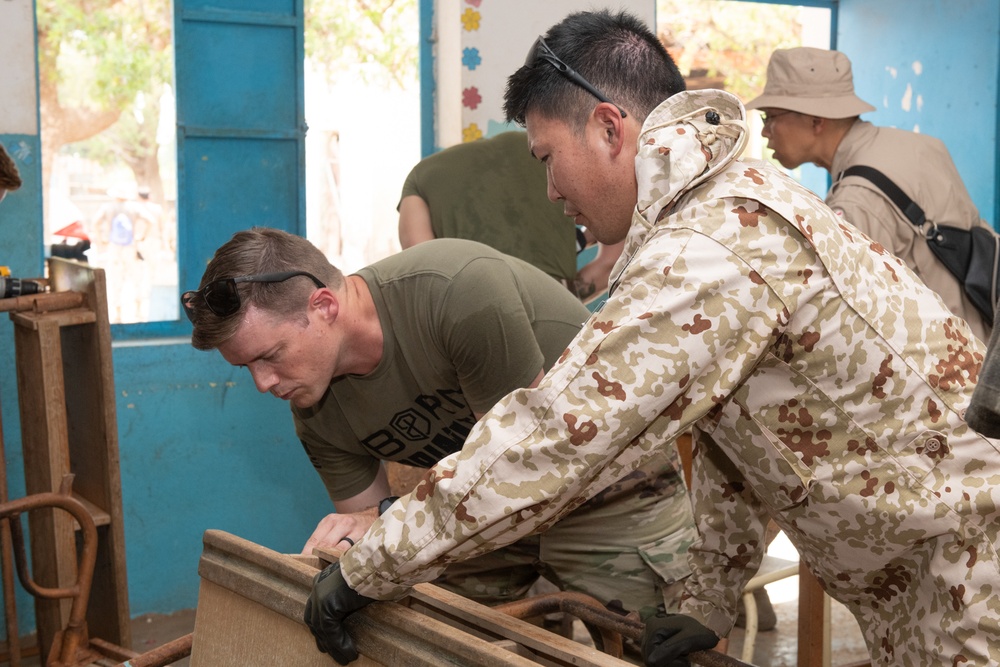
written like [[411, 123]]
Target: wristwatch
[[386, 503]]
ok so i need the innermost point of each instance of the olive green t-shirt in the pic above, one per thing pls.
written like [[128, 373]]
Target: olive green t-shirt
[[493, 191], [463, 326]]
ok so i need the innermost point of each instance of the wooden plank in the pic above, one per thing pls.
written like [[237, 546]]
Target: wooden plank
[[493, 625], [93, 443], [263, 585], [101, 518], [33, 320], [44, 442], [814, 609], [229, 629]]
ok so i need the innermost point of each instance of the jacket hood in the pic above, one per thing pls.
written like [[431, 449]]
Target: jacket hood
[[686, 140]]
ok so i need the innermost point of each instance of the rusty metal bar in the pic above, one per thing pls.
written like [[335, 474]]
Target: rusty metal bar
[[162, 655], [9, 603], [113, 651], [75, 634], [7, 567], [43, 302], [608, 624], [715, 659], [593, 613]]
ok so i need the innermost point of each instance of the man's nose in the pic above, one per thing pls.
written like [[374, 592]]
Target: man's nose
[[264, 379], [553, 194]]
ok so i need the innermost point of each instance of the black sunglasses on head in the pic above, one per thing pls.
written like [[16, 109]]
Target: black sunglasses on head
[[541, 51], [223, 298]]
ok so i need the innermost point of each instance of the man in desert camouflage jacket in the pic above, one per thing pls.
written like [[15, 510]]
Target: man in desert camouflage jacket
[[824, 382]]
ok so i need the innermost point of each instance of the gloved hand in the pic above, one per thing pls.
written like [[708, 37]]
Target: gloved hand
[[669, 637], [330, 602]]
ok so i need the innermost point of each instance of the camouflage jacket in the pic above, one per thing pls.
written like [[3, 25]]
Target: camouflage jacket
[[825, 382]]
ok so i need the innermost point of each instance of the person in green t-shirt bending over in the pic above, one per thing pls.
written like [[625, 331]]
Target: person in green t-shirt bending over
[[396, 363]]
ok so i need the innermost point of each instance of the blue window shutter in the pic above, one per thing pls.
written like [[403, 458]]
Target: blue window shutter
[[241, 125]]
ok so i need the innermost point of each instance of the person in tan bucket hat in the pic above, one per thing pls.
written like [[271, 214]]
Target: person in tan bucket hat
[[811, 114]]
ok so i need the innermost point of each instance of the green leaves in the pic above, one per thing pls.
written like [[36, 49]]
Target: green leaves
[[372, 39], [101, 53]]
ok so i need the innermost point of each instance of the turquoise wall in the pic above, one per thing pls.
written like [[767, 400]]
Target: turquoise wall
[[201, 448], [21, 244], [21, 250], [957, 48]]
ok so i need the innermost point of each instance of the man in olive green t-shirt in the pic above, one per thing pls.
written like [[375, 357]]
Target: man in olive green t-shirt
[[397, 362], [493, 191]]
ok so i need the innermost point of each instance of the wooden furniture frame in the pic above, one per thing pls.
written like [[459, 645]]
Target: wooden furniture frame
[[66, 396]]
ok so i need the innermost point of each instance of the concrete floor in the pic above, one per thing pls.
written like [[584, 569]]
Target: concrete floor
[[154, 630], [779, 647]]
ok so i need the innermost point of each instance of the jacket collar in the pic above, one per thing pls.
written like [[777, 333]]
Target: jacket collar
[[686, 140]]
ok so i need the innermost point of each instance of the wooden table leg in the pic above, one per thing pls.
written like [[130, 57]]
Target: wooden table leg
[[814, 609]]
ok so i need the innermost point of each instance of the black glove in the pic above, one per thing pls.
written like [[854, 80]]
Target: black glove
[[669, 637], [330, 602]]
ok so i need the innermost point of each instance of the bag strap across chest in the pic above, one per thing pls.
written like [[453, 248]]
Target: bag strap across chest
[[910, 208]]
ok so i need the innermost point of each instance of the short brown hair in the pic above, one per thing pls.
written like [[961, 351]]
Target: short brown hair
[[252, 252], [10, 179]]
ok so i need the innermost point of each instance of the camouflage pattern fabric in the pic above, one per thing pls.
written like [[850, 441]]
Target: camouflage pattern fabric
[[826, 385], [629, 552]]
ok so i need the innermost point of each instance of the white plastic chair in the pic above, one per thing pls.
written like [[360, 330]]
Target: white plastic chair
[[771, 569]]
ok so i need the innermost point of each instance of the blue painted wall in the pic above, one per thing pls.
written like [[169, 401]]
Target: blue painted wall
[[956, 44], [202, 448], [21, 244]]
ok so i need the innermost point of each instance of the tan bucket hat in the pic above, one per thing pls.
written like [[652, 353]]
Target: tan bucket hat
[[812, 81]]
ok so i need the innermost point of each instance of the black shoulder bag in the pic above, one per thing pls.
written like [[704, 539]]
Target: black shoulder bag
[[971, 255]]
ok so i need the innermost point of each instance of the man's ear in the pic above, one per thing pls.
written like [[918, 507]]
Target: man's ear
[[612, 126], [325, 303]]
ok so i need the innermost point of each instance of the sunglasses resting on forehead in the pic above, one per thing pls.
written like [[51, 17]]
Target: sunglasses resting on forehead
[[223, 297], [541, 51]]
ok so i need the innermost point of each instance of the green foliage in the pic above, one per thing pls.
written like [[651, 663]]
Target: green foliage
[[370, 38], [101, 53], [728, 38]]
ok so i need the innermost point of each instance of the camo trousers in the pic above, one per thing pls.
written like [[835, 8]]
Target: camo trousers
[[628, 554]]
